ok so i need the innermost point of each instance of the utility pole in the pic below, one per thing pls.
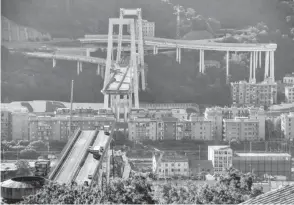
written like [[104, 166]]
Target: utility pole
[[71, 100]]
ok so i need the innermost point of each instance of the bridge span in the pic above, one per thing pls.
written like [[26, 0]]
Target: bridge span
[[75, 162]]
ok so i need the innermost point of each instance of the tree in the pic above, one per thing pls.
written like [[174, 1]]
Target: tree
[[38, 145], [233, 188], [24, 142], [23, 168], [28, 154]]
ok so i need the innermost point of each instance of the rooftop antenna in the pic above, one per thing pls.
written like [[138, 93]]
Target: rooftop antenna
[[71, 99]]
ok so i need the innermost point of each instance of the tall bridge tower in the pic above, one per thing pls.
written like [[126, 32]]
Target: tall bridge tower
[[139, 38], [121, 74]]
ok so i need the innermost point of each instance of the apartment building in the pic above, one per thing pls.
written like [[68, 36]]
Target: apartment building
[[6, 126], [218, 114], [142, 129], [246, 93], [19, 124], [289, 79], [273, 164], [58, 127], [221, 157], [171, 165], [289, 94], [241, 128], [287, 125], [201, 129], [147, 27]]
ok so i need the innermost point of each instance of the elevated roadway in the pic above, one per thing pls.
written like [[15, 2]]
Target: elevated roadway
[[69, 57], [74, 155], [186, 44], [90, 164]]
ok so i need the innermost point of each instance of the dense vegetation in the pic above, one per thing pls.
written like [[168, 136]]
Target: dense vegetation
[[35, 79], [232, 188]]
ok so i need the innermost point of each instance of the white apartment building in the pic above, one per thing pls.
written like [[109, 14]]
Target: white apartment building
[[172, 165], [218, 114], [142, 129], [289, 94], [245, 93], [287, 125], [241, 128], [289, 79], [148, 28], [221, 157], [201, 129]]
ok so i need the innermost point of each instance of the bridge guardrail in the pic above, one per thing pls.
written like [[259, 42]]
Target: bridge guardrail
[[65, 152], [81, 164]]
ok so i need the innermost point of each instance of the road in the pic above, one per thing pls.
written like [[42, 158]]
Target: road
[[90, 163], [76, 153]]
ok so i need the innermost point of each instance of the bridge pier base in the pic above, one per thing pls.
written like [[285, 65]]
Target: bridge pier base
[[54, 62]]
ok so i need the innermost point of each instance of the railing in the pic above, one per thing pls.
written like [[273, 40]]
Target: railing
[[65, 152], [81, 164]]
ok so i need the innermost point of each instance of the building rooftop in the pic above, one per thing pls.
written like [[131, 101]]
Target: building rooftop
[[201, 164], [169, 119], [218, 147], [267, 154], [283, 195], [289, 75]]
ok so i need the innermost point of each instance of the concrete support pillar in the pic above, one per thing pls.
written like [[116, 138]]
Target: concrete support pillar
[[266, 65], [272, 66], [155, 50], [81, 66], [26, 33], [17, 33], [78, 68], [251, 66], [54, 62], [203, 62], [254, 67], [200, 61], [259, 58], [9, 32], [227, 66], [143, 77], [177, 54], [88, 52], [180, 55], [106, 101], [98, 70]]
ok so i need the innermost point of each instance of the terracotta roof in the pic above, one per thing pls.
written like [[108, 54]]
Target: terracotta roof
[[284, 195]]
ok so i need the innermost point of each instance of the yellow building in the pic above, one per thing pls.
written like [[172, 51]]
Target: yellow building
[[221, 157], [201, 129], [287, 125], [217, 114], [289, 79], [241, 128], [244, 93], [142, 129], [147, 27], [289, 94], [172, 165]]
